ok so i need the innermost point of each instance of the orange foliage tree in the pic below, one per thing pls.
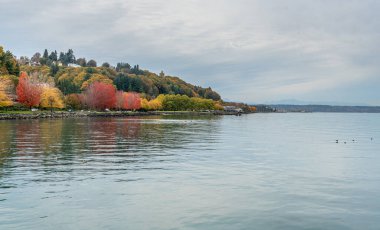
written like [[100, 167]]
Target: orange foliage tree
[[28, 92], [132, 101], [127, 101]]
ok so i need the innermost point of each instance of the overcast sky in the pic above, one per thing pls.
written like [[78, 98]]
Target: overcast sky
[[255, 51]]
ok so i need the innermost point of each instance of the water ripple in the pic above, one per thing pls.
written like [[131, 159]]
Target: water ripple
[[261, 171]]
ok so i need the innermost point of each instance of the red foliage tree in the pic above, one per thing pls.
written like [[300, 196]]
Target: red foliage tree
[[100, 95], [82, 100], [120, 100], [132, 101], [28, 92]]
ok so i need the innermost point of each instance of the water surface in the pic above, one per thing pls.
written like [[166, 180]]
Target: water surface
[[259, 171]]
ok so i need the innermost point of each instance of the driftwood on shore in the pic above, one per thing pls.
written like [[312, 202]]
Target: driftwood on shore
[[61, 114]]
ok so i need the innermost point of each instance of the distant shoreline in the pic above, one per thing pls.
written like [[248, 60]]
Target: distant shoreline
[[19, 115], [325, 108]]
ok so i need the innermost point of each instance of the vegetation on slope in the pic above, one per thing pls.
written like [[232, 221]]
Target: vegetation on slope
[[58, 81]]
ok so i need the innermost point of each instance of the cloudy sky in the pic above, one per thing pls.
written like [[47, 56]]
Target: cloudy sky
[[255, 51]]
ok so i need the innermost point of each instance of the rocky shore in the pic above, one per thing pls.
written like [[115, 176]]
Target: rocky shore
[[65, 114]]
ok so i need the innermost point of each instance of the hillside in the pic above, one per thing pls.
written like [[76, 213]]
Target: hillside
[[73, 75], [62, 81]]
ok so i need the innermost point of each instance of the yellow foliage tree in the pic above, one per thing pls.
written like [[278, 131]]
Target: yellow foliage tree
[[79, 79], [5, 100], [98, 78], [41, 71], [145, 104], [7, 90], [154, 104], [51, 97], [160, 98]]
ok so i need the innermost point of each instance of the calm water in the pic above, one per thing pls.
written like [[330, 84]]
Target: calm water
[[259, 171]]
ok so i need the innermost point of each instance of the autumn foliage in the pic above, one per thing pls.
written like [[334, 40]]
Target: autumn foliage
[[96, 78], [28, 92], [120, 100], [155, 104], [100, 95], [132, 101], [51, 97], [74, 101], [253, 109], [128, 100], [7, 90], [46, 78], [5, 100], [179, 103]]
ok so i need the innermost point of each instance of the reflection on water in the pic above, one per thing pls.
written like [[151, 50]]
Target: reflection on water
[[262, 171], [101, 144]]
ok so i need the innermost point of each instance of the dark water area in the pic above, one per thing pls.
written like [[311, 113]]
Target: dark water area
[[258, 171]]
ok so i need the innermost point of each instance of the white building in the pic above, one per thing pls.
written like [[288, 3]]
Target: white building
[[73, 65]]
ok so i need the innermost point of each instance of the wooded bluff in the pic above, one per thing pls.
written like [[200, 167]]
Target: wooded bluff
[[59, 81]]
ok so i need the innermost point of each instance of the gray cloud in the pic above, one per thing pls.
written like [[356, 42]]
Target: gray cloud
[[252, 51]]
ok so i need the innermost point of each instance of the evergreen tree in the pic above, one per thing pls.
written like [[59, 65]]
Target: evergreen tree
[[54, 69], [122, 82], [53, 56], [123, 67], [61, 57], [46, 54], [70, 58], [136, 70]]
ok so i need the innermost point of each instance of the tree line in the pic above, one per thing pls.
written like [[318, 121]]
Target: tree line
[[50, 81], [124, 76]]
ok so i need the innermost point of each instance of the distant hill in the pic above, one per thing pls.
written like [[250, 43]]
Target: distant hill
[[326, 108], [302, 102]]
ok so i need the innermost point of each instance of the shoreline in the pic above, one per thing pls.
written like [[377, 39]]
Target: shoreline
[[17, 115]]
